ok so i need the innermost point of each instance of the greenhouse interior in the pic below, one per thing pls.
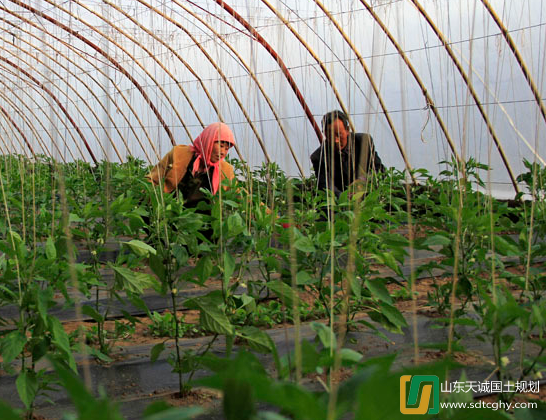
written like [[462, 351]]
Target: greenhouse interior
[[272, 209]]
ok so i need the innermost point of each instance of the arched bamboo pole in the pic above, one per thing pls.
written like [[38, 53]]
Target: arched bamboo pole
[[370, 79], [519, 58], [16, 127], [315, 57], [119, 67], [177, 55], [177, 82], [47, 117], [222, 75], [100, 86], [279, 61], [254, 78], [505, 112], [24, 115], [413, 71], [166, 70], [4, 150], [190, 69], [131, 56], [468, 83], [56, 100], [69, 99], [9, 135]]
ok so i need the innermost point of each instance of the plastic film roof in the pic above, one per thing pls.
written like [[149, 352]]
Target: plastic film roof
[[430, 80]]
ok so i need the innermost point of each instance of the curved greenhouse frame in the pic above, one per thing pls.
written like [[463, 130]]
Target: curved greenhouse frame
[[429, 80]]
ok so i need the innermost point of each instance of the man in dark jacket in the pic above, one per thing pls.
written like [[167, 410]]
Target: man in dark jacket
[[351, 156]]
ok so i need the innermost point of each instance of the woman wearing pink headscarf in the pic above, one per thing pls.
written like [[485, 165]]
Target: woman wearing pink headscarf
[[187, 169]]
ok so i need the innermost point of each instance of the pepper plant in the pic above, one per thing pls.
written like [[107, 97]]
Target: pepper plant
[[29, 282], [174, 237]]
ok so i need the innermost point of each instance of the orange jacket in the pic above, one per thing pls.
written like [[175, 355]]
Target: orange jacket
[[174, 166]]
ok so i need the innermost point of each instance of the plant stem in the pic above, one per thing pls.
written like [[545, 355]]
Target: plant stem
[[176, 328]]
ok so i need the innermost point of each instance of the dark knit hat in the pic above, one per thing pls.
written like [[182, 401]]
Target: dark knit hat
[[331, 116]]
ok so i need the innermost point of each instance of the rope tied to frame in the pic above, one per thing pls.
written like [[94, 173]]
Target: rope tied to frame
[[427, 108]]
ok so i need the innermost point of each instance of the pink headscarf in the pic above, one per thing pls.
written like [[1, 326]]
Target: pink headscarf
[[202, 147]]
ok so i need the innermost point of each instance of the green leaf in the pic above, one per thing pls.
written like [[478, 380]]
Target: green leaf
[[303, 278], [156, 264], [74, 218], [350, 356], [8, 413], [374, 330], [230, 203], [50, 250], [42, 302], [9, 292], [215, 320], [304, 244], [80, 396], [103, 409], [91, 312], [235, 225], [212, 317], [133, 281], [156, 351], [283, 291], [457, 321], [132, 319], [140, 248], [325, 334], [203, 268], [247, 302], [27, 386], [180, 252], [229, 267], [506, 246], [437, 239], [12, 345], [92, 351], [310, 357], [15, 245], [238, 399], [155, 408], [61, 341], [538, 314], [393, 315], [506, 341], [378, 290], [257, 339], [389, 260]]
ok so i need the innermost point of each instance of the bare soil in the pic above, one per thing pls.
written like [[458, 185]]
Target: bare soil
[[202, 397], [142, 334]]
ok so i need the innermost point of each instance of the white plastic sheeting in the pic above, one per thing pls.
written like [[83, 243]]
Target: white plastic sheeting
[[106, 79]]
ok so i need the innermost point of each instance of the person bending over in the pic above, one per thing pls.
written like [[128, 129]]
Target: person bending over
[[187, 169], [345, 156]]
